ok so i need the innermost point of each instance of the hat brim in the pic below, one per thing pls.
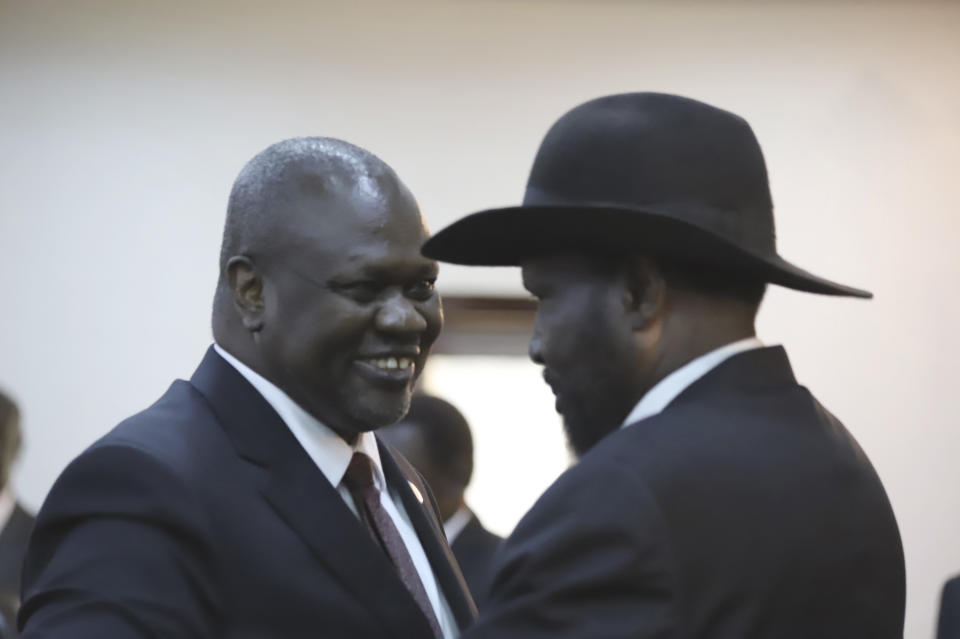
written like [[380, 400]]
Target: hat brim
[[509, 236]]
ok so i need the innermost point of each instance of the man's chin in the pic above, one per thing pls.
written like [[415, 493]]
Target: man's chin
[[365, 422], [378, 412], [584, 433], [361, 410]]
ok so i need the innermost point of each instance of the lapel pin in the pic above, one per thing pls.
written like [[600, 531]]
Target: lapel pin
[[416, 491]]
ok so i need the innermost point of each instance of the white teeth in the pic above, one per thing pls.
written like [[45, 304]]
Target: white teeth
[[393, 363]]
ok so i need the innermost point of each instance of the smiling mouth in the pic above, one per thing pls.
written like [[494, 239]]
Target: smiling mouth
[[393, 372], [390, 363]]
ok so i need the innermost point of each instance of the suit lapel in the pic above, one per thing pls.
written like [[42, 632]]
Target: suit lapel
[[400, 475], [304, 499]]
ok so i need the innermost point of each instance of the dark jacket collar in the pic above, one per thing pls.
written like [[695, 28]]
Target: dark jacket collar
[[257, 432], [749, 371]]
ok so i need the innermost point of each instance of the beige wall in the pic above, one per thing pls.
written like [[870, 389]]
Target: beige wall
[[122, 125]]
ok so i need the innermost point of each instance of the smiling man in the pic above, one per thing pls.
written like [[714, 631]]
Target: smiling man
[[714, 496], [254, 499]]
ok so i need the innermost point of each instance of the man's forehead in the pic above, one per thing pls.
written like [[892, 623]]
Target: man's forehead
[[564, 266], [546, 264], [362, 250], [348, 205], [334, 181], [341, 207], [357, 228]]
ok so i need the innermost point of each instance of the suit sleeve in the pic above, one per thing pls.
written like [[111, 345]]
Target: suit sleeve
[[590, 559], [120, 550]]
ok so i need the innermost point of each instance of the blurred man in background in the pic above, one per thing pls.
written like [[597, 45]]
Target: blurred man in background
[[254, 500], [15, 522], [436, 439], [714, 496], [948, 625]]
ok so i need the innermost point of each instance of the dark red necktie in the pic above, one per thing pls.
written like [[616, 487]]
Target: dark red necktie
[[359, 481]]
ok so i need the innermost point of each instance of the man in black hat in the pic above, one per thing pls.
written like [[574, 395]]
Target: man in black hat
[[714, 496]]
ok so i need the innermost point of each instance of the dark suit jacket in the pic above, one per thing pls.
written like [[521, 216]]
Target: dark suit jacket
[[744, 509], [949, 624], [474, 548], [203, 517], [13, 548]]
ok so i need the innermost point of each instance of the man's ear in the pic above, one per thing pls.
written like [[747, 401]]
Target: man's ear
[[645, 293], [246, 286]]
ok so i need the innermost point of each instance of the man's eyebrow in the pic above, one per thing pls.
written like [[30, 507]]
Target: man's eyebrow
[[384, 271]]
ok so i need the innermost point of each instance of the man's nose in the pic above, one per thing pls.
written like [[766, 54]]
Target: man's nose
[[400, 315]]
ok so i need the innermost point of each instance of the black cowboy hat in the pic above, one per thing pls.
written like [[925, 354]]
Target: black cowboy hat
[[649, 172]]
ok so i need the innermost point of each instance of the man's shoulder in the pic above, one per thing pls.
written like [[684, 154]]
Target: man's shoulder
[[169, 450], [951, 590], [178, 430], [689, 441], [159, 464]]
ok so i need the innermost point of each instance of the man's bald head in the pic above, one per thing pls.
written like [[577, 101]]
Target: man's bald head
[[284, 172]]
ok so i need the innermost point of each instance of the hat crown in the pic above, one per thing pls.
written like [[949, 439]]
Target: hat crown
[[661, 153]]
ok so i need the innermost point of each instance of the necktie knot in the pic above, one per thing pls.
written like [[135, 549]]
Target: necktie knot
[[359, 475]]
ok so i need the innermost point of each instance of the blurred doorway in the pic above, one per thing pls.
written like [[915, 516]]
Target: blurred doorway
[[480, 364]]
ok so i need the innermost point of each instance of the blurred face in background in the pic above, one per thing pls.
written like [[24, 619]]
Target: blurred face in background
[[9, 437]]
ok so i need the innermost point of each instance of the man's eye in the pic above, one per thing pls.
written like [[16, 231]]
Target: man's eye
[[362, 291], [421, 290]]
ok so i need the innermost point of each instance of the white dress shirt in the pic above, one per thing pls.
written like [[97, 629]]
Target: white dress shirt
[[457, 522], [7, 504], [664, 392], [332, 455]]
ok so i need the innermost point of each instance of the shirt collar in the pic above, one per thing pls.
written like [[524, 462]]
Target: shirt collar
[[329, 451], [667, 389], [7, 504], [457, 522]]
